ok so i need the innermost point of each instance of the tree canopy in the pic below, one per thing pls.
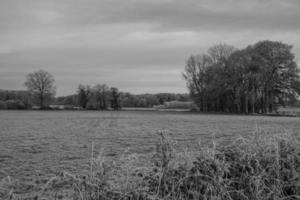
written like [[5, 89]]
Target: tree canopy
[[40, 85], [252, 80]]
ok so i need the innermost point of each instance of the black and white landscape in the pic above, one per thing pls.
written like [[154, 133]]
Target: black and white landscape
[[149, 99]]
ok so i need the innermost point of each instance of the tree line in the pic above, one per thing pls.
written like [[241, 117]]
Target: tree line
[[101, 97], [41, 94], [14, 99], [256, 79]]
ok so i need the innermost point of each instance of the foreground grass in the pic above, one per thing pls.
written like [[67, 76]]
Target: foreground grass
[[261, 166]]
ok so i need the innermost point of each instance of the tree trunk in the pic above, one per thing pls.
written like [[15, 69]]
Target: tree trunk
[[202, 102], [267, 101], [42, 101], [246, 102], [206, 108], [271, 102], [253, 100]]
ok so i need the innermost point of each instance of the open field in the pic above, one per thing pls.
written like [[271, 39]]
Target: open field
[[36, 145]]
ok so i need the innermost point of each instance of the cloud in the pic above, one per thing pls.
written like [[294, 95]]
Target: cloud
[[138, 45]]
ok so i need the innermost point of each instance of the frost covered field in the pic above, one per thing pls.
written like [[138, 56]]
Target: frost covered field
[[36, 145]]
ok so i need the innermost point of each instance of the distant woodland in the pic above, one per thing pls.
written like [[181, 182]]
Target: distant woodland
[[256, 79], [89, 98]]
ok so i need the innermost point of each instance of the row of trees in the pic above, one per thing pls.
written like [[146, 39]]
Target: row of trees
[[150, 100], [101, 97], [252, 80], [41, 92], [6, 95], [14, 99]]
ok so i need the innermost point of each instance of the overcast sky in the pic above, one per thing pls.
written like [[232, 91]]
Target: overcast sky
[[138, 46]]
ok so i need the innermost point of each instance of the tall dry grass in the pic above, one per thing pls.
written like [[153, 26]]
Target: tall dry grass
[[262, 166]]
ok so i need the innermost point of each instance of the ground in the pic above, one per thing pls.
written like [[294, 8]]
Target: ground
[[36, 145]]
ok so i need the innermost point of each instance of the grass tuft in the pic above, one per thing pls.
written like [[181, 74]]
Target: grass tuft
[[262, 166]]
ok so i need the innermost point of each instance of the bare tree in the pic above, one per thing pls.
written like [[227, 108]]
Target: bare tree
[[41, 86], [101, 93], [220, 53], [84, 95], [196, 76], [115, 100]]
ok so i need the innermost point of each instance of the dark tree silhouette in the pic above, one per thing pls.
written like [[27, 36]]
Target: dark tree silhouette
[[115, 103], [40, 85], [84, 95], [253, 80]]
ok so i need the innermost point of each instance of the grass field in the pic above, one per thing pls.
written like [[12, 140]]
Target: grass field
[[36, 145]]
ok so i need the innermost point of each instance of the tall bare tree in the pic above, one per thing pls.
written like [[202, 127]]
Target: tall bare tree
[[115, 100], [196, 77], [101, 93], [84, 95], [41, 86]]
